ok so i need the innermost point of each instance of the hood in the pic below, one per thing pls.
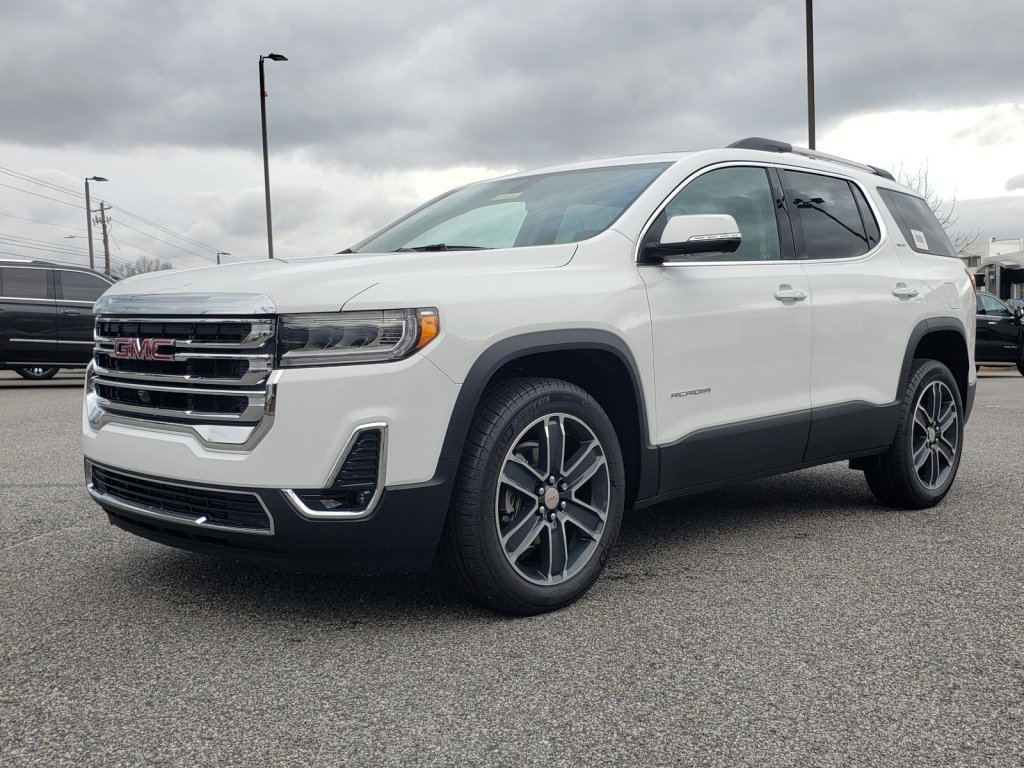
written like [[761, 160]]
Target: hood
[[321, 284]]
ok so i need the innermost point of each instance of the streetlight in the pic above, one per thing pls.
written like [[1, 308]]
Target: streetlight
[[221, 253], [266, 161], [88, 217], [810, 75]]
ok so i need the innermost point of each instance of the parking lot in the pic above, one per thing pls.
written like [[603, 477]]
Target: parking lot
[[785, 622]]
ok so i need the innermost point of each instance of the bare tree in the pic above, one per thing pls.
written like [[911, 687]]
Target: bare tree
[[144, 264], [945, 211]]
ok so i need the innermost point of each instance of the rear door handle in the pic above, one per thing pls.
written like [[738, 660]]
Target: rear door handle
[[902, 290], [72, 312], [786, 291]]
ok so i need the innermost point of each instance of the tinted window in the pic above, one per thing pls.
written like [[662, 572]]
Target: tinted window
[[79, 286], [828, 212], [917, 223], [867, 217], [743, 193], [992, 306], [21, 283]]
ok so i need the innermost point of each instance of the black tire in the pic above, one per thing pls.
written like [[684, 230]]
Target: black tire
[[527, 550], [1020, 365], [919, 468], [36, 373]]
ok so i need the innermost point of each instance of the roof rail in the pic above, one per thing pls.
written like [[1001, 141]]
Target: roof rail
[[771, 145]]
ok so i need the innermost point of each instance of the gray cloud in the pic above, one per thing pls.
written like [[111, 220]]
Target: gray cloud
[[1017, 182], [413, 84], [996, 217]]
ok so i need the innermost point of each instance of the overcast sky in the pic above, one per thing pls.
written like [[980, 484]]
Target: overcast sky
[[385, 104]]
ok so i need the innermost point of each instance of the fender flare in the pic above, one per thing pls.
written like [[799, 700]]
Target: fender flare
[[512, 348]]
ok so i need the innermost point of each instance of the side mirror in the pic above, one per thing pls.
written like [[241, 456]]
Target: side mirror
[[687, 237]]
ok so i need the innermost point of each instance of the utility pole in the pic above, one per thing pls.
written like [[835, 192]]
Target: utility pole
[[106, 244]]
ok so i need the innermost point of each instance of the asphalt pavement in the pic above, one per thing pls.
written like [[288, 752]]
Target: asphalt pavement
[[786, 622]]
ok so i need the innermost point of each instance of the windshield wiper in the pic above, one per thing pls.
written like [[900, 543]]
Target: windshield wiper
[[444, 247]]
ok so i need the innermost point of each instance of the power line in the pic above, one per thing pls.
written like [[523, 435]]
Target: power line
[[38, 221], [36, 194], [64, 190], [159, 240], [40, 182]]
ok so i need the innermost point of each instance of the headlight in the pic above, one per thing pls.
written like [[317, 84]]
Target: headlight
[[339, 338]]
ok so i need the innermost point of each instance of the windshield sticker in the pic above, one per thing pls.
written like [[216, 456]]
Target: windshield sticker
[[507, 196], [919, 239]]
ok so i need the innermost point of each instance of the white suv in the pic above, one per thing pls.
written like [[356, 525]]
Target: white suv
[[498, 375]]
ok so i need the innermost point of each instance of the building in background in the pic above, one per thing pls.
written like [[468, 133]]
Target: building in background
[[1000, 270]]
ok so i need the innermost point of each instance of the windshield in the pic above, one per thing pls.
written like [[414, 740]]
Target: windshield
[[544, 209]]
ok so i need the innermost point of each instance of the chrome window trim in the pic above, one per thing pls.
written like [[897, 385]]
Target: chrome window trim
[[882, 227], [28, 301], [315, 514], [33, 341], [201, 522]]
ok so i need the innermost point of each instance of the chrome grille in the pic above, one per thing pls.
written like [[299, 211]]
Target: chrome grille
[[187, 370]]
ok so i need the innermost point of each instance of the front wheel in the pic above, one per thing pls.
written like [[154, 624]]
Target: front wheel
[[539, 497], [36, 373], [919, 468]]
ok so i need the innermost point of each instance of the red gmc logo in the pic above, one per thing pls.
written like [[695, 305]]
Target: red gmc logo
[[142, 349]]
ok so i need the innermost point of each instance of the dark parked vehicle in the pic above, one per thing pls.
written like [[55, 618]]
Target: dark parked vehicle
[[46, 320], [1000, 338]]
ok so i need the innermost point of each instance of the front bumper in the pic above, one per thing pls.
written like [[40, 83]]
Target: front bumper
[[400, 535]]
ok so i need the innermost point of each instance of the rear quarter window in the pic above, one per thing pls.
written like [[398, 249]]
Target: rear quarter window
[[917, 223]]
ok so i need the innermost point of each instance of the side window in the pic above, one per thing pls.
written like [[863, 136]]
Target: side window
[[743, 193], [867, 217], [24, 283], [828, 213], [79, 286], [993, 306], [917, 223]]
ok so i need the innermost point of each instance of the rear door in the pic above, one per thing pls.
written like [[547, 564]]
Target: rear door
[[76, 293], [28, 315], [863, 302]]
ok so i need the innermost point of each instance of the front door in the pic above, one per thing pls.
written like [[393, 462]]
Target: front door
[[76, 293], [732, 339]]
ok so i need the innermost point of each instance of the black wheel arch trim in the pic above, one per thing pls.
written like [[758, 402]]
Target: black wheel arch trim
[[922, 329], [508, 350]]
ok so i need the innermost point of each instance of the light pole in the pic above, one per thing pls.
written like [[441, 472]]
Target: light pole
[[88, 217], [810, 75], [266, 160], [221, 253]]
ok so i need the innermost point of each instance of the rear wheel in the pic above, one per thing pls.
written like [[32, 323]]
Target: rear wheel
[[36, 373], [919, 468], [539, 497]]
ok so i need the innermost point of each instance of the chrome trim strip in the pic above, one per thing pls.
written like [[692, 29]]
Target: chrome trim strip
[[43, 300], [251, 394], [250, 415], [315, 514], [67, 341], [33, 341], [126, 506], [259, 334], [227, 438], [252, 377], [185, 304]]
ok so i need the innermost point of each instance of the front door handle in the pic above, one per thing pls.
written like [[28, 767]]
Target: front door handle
[[902, 290], [72, 312], [786, 291]]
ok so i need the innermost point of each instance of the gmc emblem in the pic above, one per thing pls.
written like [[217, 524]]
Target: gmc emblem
[[142, 349]]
